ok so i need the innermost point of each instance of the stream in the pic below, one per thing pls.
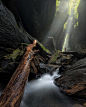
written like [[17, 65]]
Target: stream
[[43, 93]]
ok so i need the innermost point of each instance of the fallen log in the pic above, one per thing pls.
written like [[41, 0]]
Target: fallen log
[[52, 65], [34, 67], [12, 94]]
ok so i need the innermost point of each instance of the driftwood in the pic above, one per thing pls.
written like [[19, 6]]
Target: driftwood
[[52, 65], [34, 67], [12, 94]]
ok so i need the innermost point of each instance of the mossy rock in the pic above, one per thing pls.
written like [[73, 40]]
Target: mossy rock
[[54, 57], [44, 49], [17, 52], [8, 61]]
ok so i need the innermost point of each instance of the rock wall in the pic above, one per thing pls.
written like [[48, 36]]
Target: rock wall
[[57, 28], [10, 34], [36, 15], [78, 35]]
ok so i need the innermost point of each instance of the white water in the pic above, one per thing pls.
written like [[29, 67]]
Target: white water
[[43, 93]]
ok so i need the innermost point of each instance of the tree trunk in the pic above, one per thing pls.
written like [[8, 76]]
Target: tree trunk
[[12, 94]]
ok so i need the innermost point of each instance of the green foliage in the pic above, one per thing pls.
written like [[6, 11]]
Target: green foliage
[[75, 9], [24, 44], [44, 48], [15, 54], [76, 24], [55, 56], [57, 5], [73, 6], [65, 25]]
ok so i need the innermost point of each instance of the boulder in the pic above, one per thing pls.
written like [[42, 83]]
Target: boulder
[[73, 80]]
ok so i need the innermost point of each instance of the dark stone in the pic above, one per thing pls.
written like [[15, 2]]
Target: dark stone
[[62, 69], [36, 15], [10, 36], [10, 4], [74, 75]]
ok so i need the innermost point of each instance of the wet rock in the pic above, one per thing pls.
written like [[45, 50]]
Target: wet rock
[[53, 58], [47, 68], [84, 104], [67, 58], [42, 65], [78, 105], [73, 80], [38, 76], [62, 69]]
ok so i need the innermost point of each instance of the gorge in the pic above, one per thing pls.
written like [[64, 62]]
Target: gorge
[[57, 71]]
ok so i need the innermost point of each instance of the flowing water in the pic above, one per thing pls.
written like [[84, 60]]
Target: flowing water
[[43, 93]]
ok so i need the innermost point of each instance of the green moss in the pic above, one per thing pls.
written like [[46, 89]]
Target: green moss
[[24, 44], [57, 5], [73, 7], [14, 55], [20, 51], [55, 56], [76, 24], [65, 25], [44, 48]]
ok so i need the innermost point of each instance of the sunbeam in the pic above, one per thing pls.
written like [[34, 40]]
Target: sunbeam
[[73, 5], [56, 28]]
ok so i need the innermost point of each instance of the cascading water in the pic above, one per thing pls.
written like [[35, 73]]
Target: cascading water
[[43, 93]]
